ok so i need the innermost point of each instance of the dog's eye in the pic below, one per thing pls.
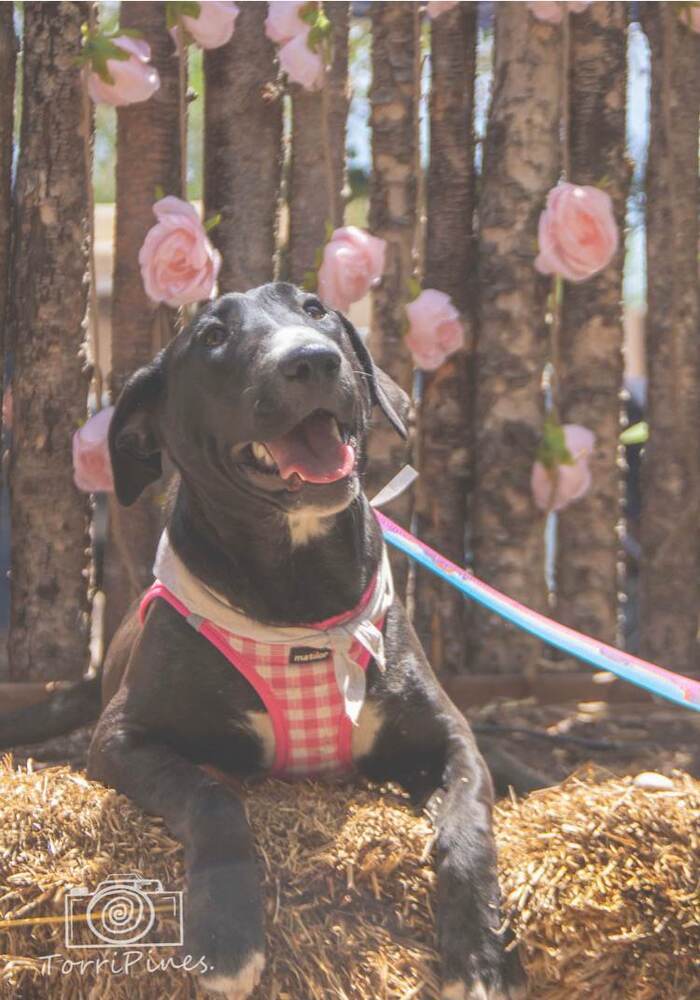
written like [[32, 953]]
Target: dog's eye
[[214, 335], [314, 309]]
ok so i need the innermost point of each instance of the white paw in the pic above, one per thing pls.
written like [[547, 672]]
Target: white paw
[[237, 987], [458, 990]]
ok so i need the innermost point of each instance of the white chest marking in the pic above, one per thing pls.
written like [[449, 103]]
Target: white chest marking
[[365, 732], [261, 725], [306, 525]]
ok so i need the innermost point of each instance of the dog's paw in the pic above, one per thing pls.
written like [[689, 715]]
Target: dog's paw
[[239, 986], [458, 990]]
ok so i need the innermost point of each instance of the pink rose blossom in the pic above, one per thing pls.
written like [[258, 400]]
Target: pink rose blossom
[[283, 22], [92, 468], [553, 13], [555, 489], [577, 232], [435, 329], [212, 27], [353, 261], [437, 7], [134, 78], [691, 17], [178, 263], [301, 64]]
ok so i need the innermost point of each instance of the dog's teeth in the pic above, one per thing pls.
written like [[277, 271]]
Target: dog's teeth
[[336, 431], [262, 455]]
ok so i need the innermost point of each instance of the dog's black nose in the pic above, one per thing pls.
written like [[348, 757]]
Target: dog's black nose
[[310, 362]]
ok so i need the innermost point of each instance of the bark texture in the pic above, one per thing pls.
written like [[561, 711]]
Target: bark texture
[[8, 54], [148, 158], [48, 622], [394, 98], [444, 425], [243, 151], [591, 340], [521, 164], [311, 204], [670, 568]]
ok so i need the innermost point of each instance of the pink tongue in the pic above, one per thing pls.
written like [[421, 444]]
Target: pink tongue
[[312, 450]]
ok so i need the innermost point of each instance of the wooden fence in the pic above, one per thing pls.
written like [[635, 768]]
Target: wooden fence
[[461, 217]]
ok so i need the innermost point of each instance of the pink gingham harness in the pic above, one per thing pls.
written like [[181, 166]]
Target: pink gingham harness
[[311, 679]]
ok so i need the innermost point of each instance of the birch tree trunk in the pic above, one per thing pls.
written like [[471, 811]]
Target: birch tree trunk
[[394, 97], [242, 151], [48, 620], [591, 340], [444, 426], [311, 205], [148, 158], [521, 163], [670, 567], [8, 54]]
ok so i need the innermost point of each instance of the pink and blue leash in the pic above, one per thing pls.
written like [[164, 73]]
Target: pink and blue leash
[[674, 687]]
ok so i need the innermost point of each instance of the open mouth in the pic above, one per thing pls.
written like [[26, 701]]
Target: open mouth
[[317, 450]]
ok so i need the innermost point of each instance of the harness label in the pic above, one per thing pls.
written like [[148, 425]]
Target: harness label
[[308, 654]]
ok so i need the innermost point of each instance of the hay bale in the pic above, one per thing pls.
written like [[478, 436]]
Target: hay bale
[[601, 881]]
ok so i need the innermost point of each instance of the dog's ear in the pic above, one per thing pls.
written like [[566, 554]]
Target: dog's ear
[[385, 393], [134, 439]]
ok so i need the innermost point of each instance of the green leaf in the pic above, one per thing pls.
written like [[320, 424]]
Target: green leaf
[[159, 192], [414, 288], [310, 282], [552, 450], [636, 434], [308, 13], [212, 222], [182, 8], [329, 230]]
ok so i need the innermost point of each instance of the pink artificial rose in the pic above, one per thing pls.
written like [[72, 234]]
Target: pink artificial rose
[[435, 329], [691, 17], [92, 468], [577, 233], [437, 7], [553, 13], [353, 261], [283, 22], [178, 263], [212, 27], [134, 78], [557, 489], [300, 63]]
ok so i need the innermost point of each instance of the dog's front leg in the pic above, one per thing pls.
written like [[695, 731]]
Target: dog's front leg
[[223, 910], [475, 963]]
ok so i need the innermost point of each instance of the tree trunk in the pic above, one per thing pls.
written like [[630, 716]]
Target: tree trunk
[[394, 97], [8, 54], [242, 151], [311, 205], [148, 158], [48, 623], [590, 377], [445, 452], [521, 164], [670, 567]]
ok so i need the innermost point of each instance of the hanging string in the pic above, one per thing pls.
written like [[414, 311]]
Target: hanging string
[[557, 293], [93, 308]]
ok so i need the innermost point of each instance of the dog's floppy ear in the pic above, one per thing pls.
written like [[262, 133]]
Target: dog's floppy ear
[[134, 441], [385, 393]]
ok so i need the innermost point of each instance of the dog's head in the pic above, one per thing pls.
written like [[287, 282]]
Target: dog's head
[[266, 396]]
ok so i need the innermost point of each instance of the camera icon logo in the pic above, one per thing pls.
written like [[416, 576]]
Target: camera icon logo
[[124, 911]]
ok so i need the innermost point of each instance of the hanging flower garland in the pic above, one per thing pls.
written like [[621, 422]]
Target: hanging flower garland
[[302, 33], [561, 474], [209, 24], [554, 13], [117, 67], [435, 329]]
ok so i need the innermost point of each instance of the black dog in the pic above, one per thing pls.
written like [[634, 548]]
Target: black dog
[[263, 405]]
